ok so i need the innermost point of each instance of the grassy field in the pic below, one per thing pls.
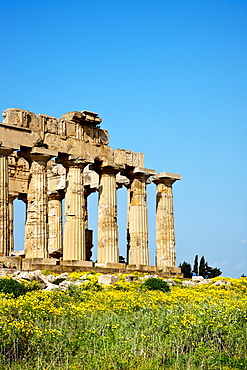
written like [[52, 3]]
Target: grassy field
[[126, 327]]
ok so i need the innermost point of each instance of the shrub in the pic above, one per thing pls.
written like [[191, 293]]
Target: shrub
[[11, 286], [156, 284], [16, 288]]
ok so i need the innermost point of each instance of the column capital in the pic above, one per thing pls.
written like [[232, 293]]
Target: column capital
[[6, 148], [13, 196], [72, 161], [122, 181], [138, 173], [56, 195], [38, 154], [106, 168], [165, 178]]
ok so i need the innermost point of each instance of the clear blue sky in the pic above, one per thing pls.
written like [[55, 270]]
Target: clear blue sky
[[169, 79]]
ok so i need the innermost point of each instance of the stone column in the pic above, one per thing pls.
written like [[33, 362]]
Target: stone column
[[4, 202], [138, 253], [107, 215], [88, 233], [11, 223], [74, 228], [165, 233], [36, 230], [127, 225], [55, 240]]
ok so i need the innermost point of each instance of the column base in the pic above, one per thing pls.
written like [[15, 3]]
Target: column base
[[173, 270], [39, 263], [11, 262], [141, 267], [111, 265], [76, 263]]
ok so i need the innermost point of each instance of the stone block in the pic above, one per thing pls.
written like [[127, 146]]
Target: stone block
[[76, 263], [171, 269], [107, 279], [170, 282], [30, 276], [11, 262], [189, 283], [51, 278], [141, 267], [65, 284], [38, 276], [64, 276], [22, 275], [222, 282], [197, 279], [5, 272], [111, 265], [30, 263]]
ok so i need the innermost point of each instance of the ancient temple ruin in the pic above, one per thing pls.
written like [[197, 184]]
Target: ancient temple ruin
[[44, 160]]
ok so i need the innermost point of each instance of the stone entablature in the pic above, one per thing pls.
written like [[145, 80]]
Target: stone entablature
[[44, 160]]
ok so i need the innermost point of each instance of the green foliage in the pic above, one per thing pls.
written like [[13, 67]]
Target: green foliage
[[77, 291], [212, 272], [204, 270], [48, 272], [156, 284], [186, 269], [189, 328], [16, 288], [30, 286], [11, 286], [202, 267], [93, 286], [41, 144], [195, 267]]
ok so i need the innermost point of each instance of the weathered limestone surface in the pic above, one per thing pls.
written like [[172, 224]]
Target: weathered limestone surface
[[11, 223], [55, 237], [165, 233], [74, 228], [107, 215], [88, 233], [137, 216], [4, 202], [107, 279], [74, 141], [36, 233]]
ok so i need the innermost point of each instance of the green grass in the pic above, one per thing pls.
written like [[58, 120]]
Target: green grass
[[193, 328]]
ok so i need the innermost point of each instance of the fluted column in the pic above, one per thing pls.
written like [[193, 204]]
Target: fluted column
[[55, 240], [107, 215], [4, 203], [138, 253], [36, 229], [165, 232], [74, 229], [11, 222], [88, 233]]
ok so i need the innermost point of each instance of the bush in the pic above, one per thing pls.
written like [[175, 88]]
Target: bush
[[156, 284], [11, 286]]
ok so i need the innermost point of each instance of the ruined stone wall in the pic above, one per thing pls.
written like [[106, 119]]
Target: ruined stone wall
[[44, 160]]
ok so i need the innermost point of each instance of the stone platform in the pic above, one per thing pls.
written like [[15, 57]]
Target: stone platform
[[59, 266]]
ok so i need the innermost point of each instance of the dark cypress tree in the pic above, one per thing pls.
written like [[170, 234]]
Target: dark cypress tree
[[202, 267], [186, 269], [195, 267]]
